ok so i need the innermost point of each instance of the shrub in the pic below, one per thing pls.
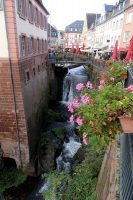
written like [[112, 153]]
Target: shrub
[[11, 178]]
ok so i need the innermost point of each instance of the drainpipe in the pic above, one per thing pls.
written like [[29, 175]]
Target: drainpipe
[[13, 92]]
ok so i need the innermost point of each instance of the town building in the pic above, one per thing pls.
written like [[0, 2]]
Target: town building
[[127, 31], [52, 37], [72, 35], [55, 38], [114, 23], [23, 78]]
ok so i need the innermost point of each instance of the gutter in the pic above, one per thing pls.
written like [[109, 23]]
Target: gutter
[[13, 92]]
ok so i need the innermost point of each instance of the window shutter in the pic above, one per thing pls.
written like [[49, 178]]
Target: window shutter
[[19, 6], [20, 45], [1, 4], [34, 16], [28, 9], [28, 44], [43, 21]]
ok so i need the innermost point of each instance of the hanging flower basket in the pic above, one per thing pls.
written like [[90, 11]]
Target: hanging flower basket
[[126, 124]]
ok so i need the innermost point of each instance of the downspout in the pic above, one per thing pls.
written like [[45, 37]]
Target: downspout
[[13, 92]]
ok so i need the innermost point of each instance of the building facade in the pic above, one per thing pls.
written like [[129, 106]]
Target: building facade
[[115, 23], [23, 77], [127, 31], [72, 35]]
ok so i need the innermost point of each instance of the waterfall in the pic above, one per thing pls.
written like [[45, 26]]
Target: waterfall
[[72, 142], [73, 77]]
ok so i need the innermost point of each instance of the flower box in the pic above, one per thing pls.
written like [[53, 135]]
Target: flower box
[[126, 124]]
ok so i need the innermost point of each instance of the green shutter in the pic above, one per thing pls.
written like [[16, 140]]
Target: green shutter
[[19, 6], [20, 45], [1, 4]]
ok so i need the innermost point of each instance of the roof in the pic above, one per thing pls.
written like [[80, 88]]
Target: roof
[[91, 17], [43, 7], [108, 8], [75, 27]]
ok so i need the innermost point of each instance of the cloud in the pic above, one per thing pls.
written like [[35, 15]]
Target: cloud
[[64, 12]]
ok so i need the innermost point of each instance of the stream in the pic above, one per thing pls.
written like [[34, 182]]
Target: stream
[[71, 142]]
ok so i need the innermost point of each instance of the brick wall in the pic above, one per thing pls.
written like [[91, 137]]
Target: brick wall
[[13, 139]]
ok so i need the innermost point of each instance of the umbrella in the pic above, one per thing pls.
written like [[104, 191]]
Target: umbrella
[[83, 49], [129, 55], [115, 51], [72, 48], [77, 49]]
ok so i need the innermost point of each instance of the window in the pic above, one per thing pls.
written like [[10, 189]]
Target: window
[[1, 4], [30, 12], [36, 17], [45, 23], [45, 45], [129, 17], [38, 68], [27, 75], [42, 45], [117, 23], [113, 26], [41, 21], [32, 45], [126, 36], [23, 45], [34, 71], [38, 46], [121, 23]]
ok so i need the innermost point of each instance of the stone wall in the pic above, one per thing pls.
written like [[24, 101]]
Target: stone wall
[[106, 186], [35, 91]]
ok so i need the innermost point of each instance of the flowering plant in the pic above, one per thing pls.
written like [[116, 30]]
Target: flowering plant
[[97, 109]]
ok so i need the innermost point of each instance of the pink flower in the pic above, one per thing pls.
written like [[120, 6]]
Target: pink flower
[[84, 99], [70, 108], [79, 86], [130, 87], [79, 121], [102, 82], [85, 139], [112, 78], [100, 87], [75, 103], [89, 85], [71, 118]]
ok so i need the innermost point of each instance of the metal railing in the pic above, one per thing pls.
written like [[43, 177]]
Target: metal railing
[[126, 167]]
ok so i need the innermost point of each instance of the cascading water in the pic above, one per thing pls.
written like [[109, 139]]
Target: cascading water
[[73, 77], [72, 142]]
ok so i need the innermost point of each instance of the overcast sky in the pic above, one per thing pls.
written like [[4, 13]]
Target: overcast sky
[[64, 12]]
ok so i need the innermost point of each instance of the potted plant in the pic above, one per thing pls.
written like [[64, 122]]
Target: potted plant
[[97, 110]]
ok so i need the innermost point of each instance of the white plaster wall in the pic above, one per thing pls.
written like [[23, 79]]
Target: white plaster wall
[[3, 37], [118, 32], [23, 26]]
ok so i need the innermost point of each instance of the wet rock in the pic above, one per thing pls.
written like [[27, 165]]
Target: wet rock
[[51, 142]]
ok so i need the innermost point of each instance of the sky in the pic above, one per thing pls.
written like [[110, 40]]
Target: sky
[[65, 12]]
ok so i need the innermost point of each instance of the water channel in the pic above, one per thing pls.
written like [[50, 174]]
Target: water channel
[[71, 142]]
